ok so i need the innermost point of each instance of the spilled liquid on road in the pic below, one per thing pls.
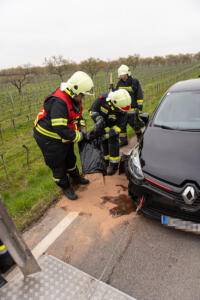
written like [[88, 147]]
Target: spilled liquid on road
[[123, 202]]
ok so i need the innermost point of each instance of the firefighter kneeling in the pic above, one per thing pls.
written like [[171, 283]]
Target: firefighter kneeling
[[108, 112], [58, 126]]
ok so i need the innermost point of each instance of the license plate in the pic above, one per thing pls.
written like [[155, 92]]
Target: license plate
[[180, 224]]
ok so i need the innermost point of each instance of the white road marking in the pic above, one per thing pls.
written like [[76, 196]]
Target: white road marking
[[54, 234]]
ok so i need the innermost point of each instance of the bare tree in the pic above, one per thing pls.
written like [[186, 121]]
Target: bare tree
[[92, 66], [58, 65], [122, 61], [18, 77], [158, 60], [171, 59], [133, 60], [110, 65], [185, 58], [146, 61], [197, 56]]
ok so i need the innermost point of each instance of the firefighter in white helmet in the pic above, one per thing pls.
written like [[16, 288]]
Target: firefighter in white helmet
[[58, 126], [108, 112], [132, 85]]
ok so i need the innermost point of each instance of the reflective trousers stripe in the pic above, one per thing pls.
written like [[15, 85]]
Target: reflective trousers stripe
[[114, 159], [123, 134], [106, 157]]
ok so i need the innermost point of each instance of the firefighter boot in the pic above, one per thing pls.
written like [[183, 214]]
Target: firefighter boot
[[106, 163], [123, 141], [68, 190], [6, 262], [112, 169], [139, 136], [76, 178], [2, 281], [69, 193]]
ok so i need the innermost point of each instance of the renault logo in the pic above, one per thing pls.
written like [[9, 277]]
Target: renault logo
[[189, 195]]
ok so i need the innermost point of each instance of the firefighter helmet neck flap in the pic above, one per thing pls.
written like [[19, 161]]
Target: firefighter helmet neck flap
[[120, 99], [124, 70], [78, 83]]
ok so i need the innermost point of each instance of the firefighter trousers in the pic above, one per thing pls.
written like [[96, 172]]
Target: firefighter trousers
[[59, 157], [134, 121], [111, 149]]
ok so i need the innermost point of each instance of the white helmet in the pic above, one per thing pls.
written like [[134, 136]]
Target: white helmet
[[123, 70], [79, 82], [120, 99]]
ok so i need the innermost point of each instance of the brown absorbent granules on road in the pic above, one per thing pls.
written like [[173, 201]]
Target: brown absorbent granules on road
[[96, 204], [113, 190]]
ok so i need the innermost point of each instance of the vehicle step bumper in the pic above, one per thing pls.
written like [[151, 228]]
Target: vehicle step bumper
[[59, 280]]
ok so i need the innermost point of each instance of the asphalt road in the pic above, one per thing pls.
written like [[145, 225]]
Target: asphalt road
[[159, 263], [136, 255]]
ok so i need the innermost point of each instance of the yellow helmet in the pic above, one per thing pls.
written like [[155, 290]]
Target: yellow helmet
[[78, 83], [123, 70], [120, 99]]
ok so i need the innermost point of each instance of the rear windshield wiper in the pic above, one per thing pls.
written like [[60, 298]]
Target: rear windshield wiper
[[164, 127]]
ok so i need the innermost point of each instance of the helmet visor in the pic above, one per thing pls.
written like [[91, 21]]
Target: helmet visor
[[124, 109], [88, 93]]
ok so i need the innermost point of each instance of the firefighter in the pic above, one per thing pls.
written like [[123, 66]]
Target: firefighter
[[108, 112], [6, 262], [132, 85], [58, 126]]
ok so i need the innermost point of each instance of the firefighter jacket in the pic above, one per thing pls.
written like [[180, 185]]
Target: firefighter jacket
[[133, 86], [114, 118], [60, 118]]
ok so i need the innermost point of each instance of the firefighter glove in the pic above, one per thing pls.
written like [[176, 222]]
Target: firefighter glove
[[105, 136], [99, 125]]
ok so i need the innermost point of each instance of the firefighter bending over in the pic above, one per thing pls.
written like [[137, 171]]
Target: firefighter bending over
[[132, 85], [108, 113], [58, 126]]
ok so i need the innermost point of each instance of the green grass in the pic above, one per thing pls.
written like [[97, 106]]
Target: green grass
[[30, 191], [30, 201]]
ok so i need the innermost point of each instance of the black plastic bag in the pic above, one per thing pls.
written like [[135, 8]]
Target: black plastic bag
[[92, 159]]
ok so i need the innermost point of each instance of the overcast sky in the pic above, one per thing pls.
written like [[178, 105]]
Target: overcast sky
[[31, 30]]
